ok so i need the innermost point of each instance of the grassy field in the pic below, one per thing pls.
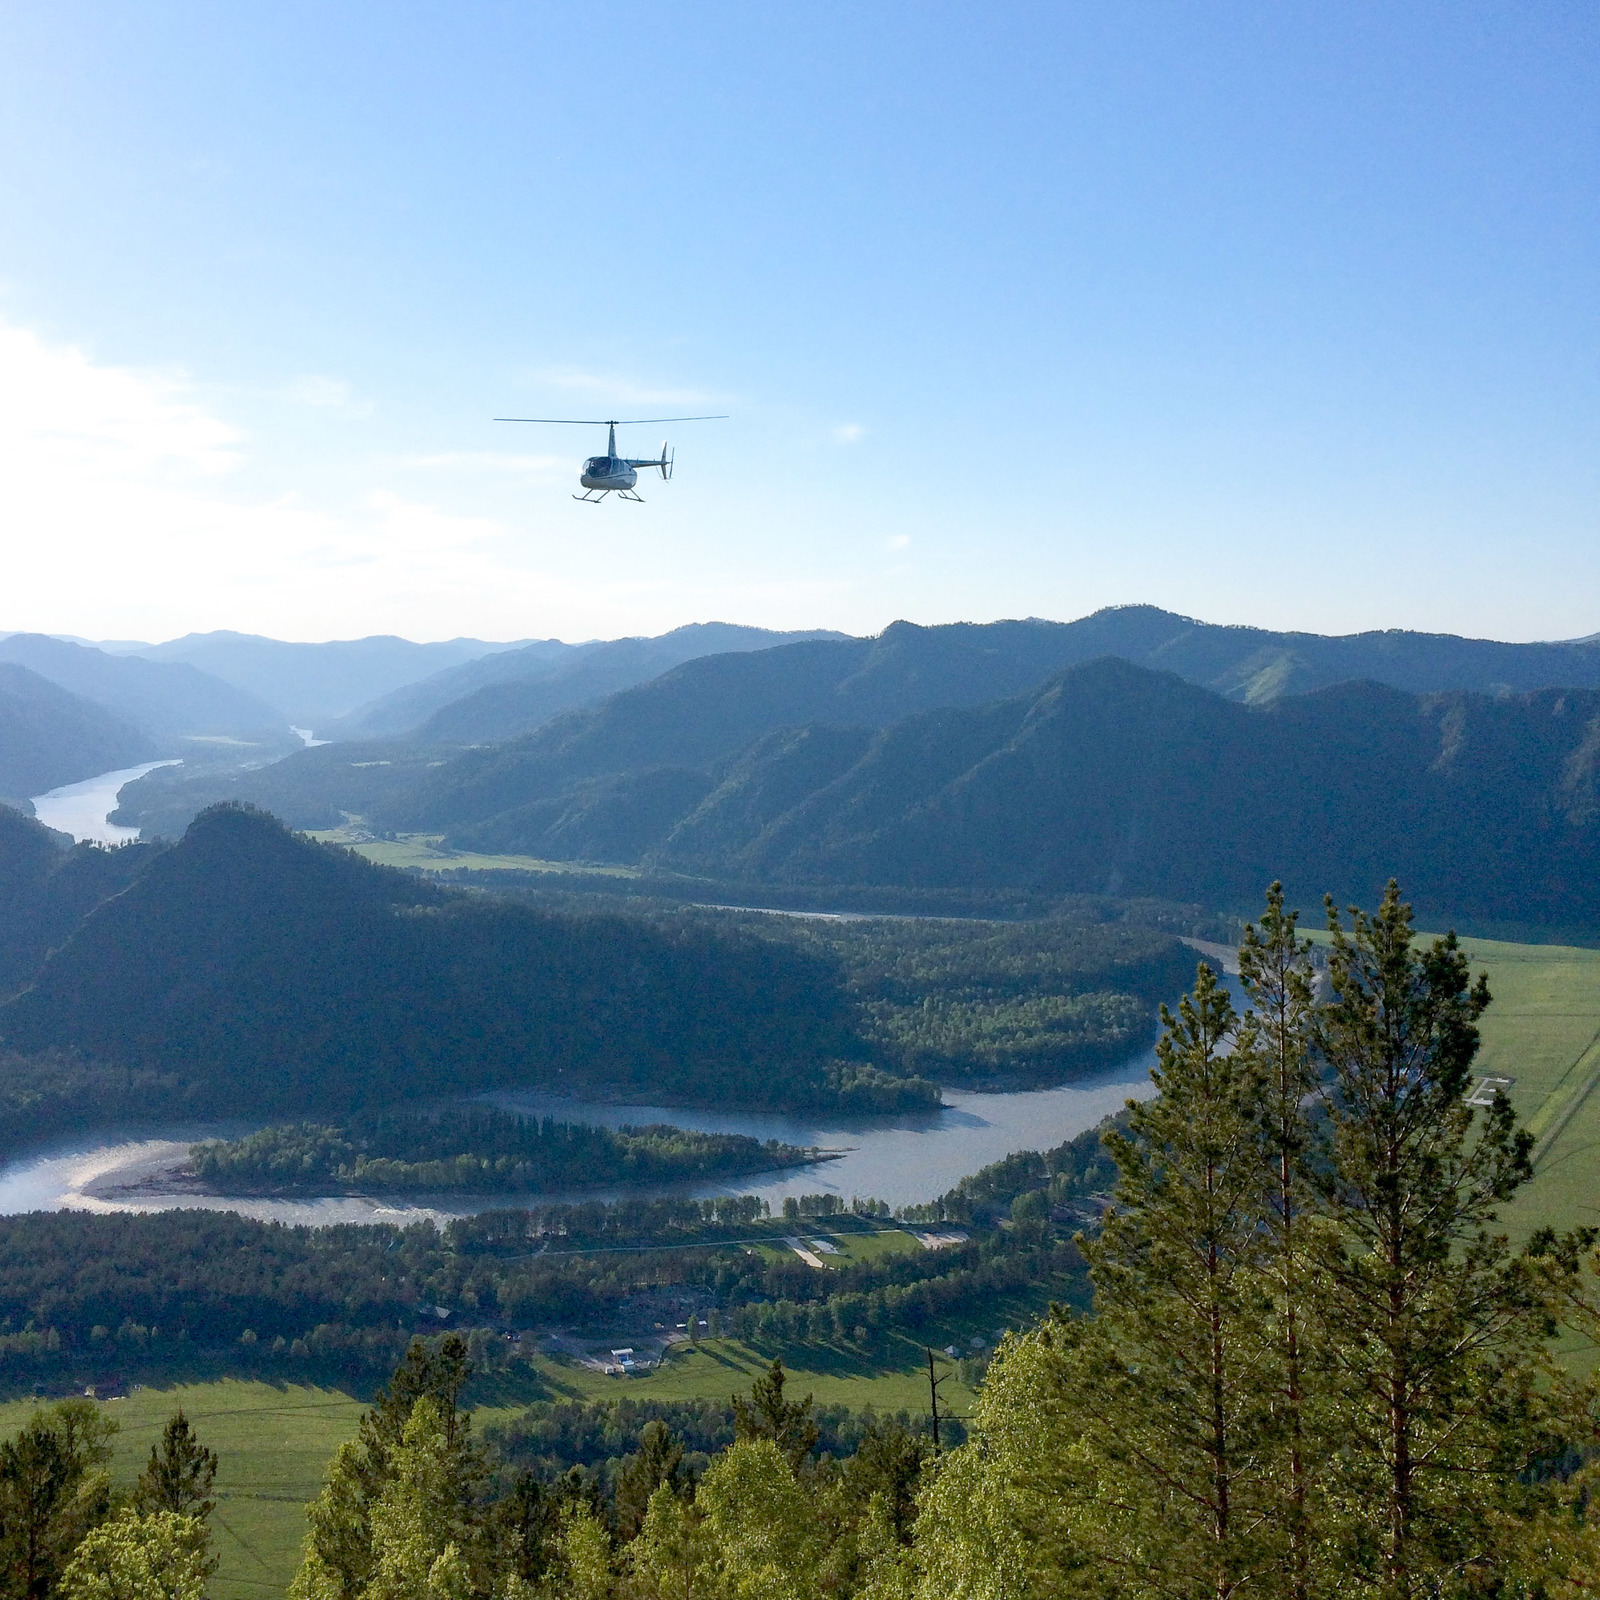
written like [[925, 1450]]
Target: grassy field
[[1543, 1032], [427, 851], [273, 1446], [717, 1368]]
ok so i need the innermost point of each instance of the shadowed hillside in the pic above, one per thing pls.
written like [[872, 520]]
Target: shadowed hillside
[[515, 691], [49, 736], [579, 766], [48, 885], [1112, 779], [273, 973]]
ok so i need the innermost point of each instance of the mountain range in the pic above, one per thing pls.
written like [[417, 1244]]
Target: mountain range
[[314, 684], [168, 701], [500, 696], [1132, 751]]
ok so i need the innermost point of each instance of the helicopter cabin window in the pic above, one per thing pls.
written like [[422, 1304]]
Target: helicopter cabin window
[[598, 466]]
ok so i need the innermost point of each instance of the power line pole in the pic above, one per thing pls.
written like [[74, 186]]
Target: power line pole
[[933, 1397]]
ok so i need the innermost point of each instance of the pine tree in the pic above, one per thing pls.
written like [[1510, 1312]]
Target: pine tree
[[54, 1489], [767, 1415], [1173, 1409], [1428, 1319], [179, 1474], [1275, 970]]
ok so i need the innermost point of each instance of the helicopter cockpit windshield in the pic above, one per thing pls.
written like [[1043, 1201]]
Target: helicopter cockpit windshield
[[598, 466]]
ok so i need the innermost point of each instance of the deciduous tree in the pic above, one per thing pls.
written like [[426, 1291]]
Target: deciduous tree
[[161, 1555]]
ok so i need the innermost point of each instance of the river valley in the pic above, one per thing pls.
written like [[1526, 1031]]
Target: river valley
[[905, 1160]]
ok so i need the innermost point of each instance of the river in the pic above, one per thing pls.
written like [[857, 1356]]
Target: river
[[82, 809], [904, 1160]]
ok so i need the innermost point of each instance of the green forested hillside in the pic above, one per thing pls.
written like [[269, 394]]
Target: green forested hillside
[[510, 706], [475, 1148], [512, 692], [47, 885], [275, 974], [1011, 1003], [574, 787], [312, 788], [49, 736], [1114, 779]]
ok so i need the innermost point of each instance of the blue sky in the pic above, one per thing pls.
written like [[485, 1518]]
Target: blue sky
[[1277, 313]]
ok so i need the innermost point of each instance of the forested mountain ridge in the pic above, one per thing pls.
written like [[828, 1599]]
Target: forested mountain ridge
[[47, 886], [708, 709], [311, 788], [275, 974], [590, 764], [1114, 779], [514, 691], [1260, 664], [50, 736]]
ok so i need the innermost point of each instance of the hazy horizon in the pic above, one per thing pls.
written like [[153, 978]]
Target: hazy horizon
[[139, 644]]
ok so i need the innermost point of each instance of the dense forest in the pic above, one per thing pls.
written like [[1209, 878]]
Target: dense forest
[[270, 973], [993, 1002], [1298, 1359], [1295, 1345], [1106, 777], [475, 1148], [50, 737], [249, 969], [170, 1292]]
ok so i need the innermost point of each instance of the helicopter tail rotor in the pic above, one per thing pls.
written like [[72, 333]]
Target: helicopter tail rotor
[[666, 461]]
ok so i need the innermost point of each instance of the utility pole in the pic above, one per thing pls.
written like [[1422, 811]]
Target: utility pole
[[933, 1397]]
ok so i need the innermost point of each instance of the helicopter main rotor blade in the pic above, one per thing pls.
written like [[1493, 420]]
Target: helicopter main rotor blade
[[611, 422]]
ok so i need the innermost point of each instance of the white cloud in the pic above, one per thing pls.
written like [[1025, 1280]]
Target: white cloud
[[120, 519], [898, 541], [848, 433], [67, 422]]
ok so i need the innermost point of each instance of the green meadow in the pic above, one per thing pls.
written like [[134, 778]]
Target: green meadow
[[1543, 1032], [427, 851], [273, 1446]]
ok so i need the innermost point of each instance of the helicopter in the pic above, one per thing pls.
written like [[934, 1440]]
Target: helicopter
[[611, 473]]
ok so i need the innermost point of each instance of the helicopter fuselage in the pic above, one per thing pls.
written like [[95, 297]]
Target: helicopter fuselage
[[608, 472]]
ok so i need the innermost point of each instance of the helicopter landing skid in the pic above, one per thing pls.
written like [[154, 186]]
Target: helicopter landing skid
[[594, 497]]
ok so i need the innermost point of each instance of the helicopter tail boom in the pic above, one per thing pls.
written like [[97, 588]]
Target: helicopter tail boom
[[663, 465]]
